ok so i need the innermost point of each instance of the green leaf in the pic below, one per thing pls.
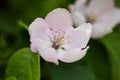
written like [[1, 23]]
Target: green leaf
[[112, 43], [11, 78], [24, 65], [74, 71]]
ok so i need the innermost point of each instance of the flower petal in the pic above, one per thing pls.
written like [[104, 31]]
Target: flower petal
[[79, 36], [106, 23], [78, 18], [71, 55], [33, 47], [59, 19], [97, 7], [38, 29], [46, 51], [72, 8], [80, 5]]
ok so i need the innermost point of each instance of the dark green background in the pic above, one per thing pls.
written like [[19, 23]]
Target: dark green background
[[102, 61]]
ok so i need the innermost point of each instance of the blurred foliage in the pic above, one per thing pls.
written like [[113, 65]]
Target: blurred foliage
[[102, 61], [75, 71], [112, 43], [11, 78]]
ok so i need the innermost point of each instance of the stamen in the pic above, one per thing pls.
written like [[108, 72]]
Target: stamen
[[57, 39]]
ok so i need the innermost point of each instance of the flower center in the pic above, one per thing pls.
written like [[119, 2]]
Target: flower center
[[57, 39], [91, 19]]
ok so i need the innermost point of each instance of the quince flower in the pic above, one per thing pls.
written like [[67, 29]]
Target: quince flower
[[101, 13], [55, 39]]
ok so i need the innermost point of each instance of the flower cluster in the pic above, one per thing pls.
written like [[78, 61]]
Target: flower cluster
[[55, 38], [102, 14]]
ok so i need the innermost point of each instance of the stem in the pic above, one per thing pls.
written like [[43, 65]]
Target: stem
[[23, 25]]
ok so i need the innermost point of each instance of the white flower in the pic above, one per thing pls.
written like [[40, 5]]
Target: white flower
[[101, 13], [55, 38]]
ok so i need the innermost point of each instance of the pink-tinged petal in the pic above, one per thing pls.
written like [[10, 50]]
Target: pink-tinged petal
[[33, 47], [46, 51], [79, 37], [106, 23], [78, 18], [38, 29], [111, 18], [97, 7], [100, 30], [80, 5], [71, 55], [71, 8], [59, 19]]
